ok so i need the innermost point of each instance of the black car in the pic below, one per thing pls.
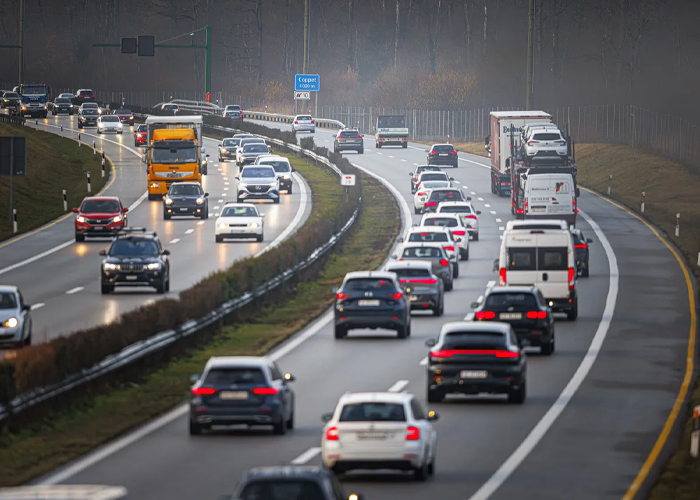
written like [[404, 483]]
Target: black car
[[241, 390], [525, 309], [369, 299], [290, 482], [472, 357], [438, 195], [349, 139], [135, 258], [419, 170], [227, 149], [88, 117], [186, 198], [84, 95], [62, 105], [443, 154], [581, 246], [10, 100], [425, 290], [250, 152]]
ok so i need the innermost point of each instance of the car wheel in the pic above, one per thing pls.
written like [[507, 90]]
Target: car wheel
[[518, 396], [290, 422], [379, 145], [449, 285], [439, 310], [259, 238], [421, 473], [476, 236], [166, 216], [119, 132], [466, 257], [160, 287], [403, 331], [28, 339], [219, 238], [572, 314], [276, 200], [195, 429], [435, 396], [455, 271], [79, 237], [280, 428], [289, 189], [585, 271], [105, 289], [340, 332], [361, 151], [548, 348]]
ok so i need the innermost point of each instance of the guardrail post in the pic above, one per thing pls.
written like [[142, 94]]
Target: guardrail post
[[65, 201], [94, 147], [14, 220], [61, 128], [643, 197], [678, 224], [609, 183], [88, 182], [79, 141], [103, 164], [695, 434]]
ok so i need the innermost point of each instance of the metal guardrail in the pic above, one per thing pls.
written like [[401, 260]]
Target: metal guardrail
[[275, 117], [13, 120], [140, 349]]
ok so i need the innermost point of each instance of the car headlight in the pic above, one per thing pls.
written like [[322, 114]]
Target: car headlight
[[153, 266], [11, 323], [108, 266], [24, 107], [273, 184], [222, 225], [118, 218], [287, 176], [168, 201], [119, 125], [80, 218], [242, 185], [99, 111], [200, 201], [45, 107], [253, 224]]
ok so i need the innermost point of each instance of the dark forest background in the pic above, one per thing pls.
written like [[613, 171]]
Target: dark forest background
[[441, 54]]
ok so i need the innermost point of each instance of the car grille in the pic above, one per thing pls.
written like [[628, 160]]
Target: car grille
[[238, 225], [184, 203], [258, 189], [98, 221], [131, 268]]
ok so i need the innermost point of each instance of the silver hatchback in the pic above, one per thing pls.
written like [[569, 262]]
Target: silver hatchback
[[442, 263], [304, 123], [15, 318]]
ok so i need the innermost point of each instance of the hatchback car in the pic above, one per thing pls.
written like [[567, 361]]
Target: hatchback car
[[425, 290], [441, 262], [582, 252], [239, 220], [466, 212], [83, 95], [420, 169], [371, 299], [258, 182], [227, 148], [443, 154], [140, 135], [15, 318], [101, 216], [525, 309], [453, 222], [169, 109], [303, 123], [440, 195], [233, 111], [348, 139], [109, 123], [186, 198], [246, 390], [421, 195], [475, 358]]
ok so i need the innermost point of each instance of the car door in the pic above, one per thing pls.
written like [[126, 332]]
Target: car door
[[426, 428], [279, 382]]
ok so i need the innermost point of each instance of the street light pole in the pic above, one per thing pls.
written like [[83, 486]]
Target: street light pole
[[530, 26], [21, 42]]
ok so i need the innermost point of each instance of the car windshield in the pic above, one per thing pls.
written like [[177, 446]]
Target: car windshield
[[89, 112], [451, 195], [122, 112], [134, 246], [141, 128], [506, 300], [456, 209], [434, 177], [62, 100], [252, 141], [100, 206], [440, 221], [174, 155], [33, 89], [233, 108], [185, 190], [230, 142], [258, 172], [235, 375], [11, 94], [255, 148], [239, 212], [279, 166], [8, 300], [369, 284], [428, 237], [111, 118], [372, 412], [421, 253], [443, 148], [283, 489]]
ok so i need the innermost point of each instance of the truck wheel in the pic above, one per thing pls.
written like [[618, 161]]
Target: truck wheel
[[405, 145]]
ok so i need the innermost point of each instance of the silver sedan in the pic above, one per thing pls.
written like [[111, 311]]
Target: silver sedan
[[15, 318]]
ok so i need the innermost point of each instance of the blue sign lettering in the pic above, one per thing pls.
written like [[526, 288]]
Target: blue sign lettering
[[507, 129], [308, 83]]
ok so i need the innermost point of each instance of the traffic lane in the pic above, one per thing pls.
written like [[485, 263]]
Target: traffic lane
[[622, 406]]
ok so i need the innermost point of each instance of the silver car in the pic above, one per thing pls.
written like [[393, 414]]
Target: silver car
[[258, 182], [15, 318], [442, 263], [303, 123]]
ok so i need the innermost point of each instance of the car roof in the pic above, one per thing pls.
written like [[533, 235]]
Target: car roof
[[427, 172], [511, 289], [370, 274], [422, 244], [447, 189], [115, 198], [284, 471], [408, 264], [529, 224], [454, 204], [242, 136], [384, 396], [234, 204], [185, 182], [275, 157], [8, 289], [222, 361], [475, 327], [442, 144], [436, 167]]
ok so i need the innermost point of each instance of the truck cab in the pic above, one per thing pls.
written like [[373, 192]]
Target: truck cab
[[35, 97], [391, 130]]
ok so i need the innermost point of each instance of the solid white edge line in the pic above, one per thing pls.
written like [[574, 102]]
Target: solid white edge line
[[398, 386], [546, 422], [306, 456], [36, 257]]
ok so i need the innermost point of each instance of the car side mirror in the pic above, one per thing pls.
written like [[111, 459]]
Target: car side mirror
[[452, 178], [76, 210], [26, 307], [478, 212], [495, 266], [433, 416], [431, 342], [288, 377], [410, 174], [475, 305], [589, 240], [206, 194], [103, 252], [334, 289], [326, 417], [238, 177], [427, 151], [194, 378], [125, 209], [166, 252], [206, 155], [394, 257], [453, 257]]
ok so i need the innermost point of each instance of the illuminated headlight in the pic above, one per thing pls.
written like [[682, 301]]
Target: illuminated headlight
[[24, 107], [118, 218], [200, 201], [108, 266], [253, 224], [119, 125], [222, 225], [11, 323], [242, 185], [155, 185], [99, 111], [168, 201], [273, 184], [80, 218], [287, 176], [45, 107], [154, 266]]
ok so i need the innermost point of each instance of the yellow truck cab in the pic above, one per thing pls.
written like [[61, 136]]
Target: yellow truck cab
[[174, 152]]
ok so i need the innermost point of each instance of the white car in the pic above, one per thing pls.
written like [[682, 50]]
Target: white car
[[431, 176], [109, 123], [545, 142], [239, 220], [283, 170], [453, 222], [303, 123], [422, 194], [380, 430], [469, 216], [435, 234]]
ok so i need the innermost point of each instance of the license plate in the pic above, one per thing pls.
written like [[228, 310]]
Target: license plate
[[372, 435], [233, 395], [99, 228], [510, 316], [538, 209], [473, 374], [442, 154], [414, 298], [367, 302], [183, 210], [132, 278]]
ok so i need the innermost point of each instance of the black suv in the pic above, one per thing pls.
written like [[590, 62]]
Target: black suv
[[135, 258], [186, 198], [83, 95], [10, 100], [581, 246], [370, 299], [87, 117], [62, 105], [290, 482], [443, 154]]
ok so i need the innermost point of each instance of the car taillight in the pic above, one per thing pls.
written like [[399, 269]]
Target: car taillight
[[449, 248], [485, 315], [430, 203], [342, 296], [506, 184], [459, 233], [412, 433], [536, 314], [397, 296], [332, 434], [572, 278], [266, 391], [426, 281], [530, 143], [583, 245], [470, 217], [444, 262], [422, 194], [527, 203], [203, 391], [519, 211], [403, 280], [433, 152], [296, 122], [359, 136], [312, 122], [453, 152], [486, 352], [502, 276]]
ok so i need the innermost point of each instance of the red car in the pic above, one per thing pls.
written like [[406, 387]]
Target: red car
[[140, 135], [101, 216], [125, 116]]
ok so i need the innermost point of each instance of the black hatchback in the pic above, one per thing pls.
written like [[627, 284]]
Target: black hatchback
[[581, 246], [525, 309], [443, 154]]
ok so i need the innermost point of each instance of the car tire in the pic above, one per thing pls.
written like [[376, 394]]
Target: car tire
[[219, 238], [340, 332], [476, 236], [361, 151], [289, 190], [572, 314], [167, 284], [290, 421], [280, 428], [467, 256], [195, 428], [449, 286], [276, 201], [455, 271], [417, 210], [548, 348], [205, 214], [421, 473], [119, 132], [166, 216], [403, 331], [378, 145], [439, 310], [79, 237], [27, 340], [160, 287], [106, 289], [518, 396], [260, 238], [434, 396], [585, 272]]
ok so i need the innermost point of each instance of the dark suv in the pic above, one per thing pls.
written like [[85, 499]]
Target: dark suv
[[186, 198], [348, 139], [87, 117], [135, 258], [581, 246], [443, 154], [83, 95], [241, 390], [62, 105], [369, 299]]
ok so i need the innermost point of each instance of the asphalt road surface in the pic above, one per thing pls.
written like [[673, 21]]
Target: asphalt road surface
[[594, 409]]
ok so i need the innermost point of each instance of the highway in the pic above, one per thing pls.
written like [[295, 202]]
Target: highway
[[594, 409], [61, 277]]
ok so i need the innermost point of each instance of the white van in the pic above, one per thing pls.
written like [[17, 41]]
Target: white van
[[545, 259], [550, 196], [552, 224]]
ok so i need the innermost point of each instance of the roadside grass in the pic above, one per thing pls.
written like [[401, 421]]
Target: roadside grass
[[54, 163], [69, 434], [472, 148]]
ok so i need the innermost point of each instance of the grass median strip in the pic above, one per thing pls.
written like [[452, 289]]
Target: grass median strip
[[69, 434], [54, 163]]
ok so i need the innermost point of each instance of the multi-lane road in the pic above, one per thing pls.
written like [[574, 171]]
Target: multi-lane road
[[594, 412], [61, 277]]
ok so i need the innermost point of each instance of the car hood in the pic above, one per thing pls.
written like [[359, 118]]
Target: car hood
[[130, 259], [258, 180], [99, 215], [179, 197], [238, 220], [6, 314], [110, 124]]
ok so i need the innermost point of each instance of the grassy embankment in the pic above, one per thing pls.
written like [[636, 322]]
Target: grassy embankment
[[68, 435], [54, 163]]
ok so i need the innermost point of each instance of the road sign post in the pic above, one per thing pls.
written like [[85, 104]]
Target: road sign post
[[13, 161]]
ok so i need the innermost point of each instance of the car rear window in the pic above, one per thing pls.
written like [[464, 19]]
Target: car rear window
[[349, 133], [552, 259], [452, 195], [304, 117], [522, 259], [286, 489], [412, 273], [422, 253], [372, 412], [239, 212], [456, 209], [444, 148], [427, 168], [374, 284], [549, 136], [505, 300], [434, 177], [428, 237], [237, 375], [440, 221], [475, 340]]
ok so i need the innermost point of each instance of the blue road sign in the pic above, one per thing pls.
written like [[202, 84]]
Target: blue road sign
[[309, 83]]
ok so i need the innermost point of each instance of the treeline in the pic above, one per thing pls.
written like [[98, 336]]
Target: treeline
[[439, 54]]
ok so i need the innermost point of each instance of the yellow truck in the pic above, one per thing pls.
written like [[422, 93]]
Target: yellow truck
[[174, 152]]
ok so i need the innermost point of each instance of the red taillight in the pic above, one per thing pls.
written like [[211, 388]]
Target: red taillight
[[444, 262], [449, 248], [572, 278], [530, 143], [403, 280], [502, 276], [296, 122], [453, 152], [536, 314], [433, 152], [426, 281], [397, 296], [359, 136], [312, 122], [412, 433], [485, 352], [459, 233], [470, 217], [332, 434], [485, 315], [520, 210], [422, 194], [506, 184], [342, 296], [430, 203], [265, 391], [92, 96], [203, 391], [583, 245]]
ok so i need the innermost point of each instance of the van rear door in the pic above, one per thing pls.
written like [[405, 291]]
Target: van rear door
[[562, 195], [553, 265], [539, 192], [521, 257]]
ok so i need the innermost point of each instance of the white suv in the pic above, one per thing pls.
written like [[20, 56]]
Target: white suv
[[380, 430], [544, 142], [454, 223], [466, 212]]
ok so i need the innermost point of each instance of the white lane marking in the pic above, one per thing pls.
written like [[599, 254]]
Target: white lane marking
[[308, 454], [224, 194], [416, 164], [402, 159], [466, 187], [424, 361], [226, 183], [214, 214], [189, 231], [173, 241], [327, 140], [480, 199], [390, 156], [493, 212], [475, 163], [201, 222], [74, 290], [501, 228], [36, 257], [225, 189], [37, 306], [490, 283], [226, 178], [379, 153], [499, 220], [487, 205], [472, 192], [220, 201], [398, 386], [546, 422], [216, 207]]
